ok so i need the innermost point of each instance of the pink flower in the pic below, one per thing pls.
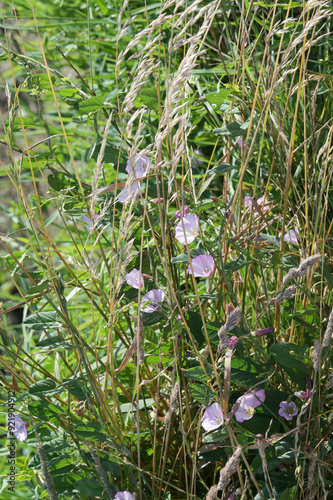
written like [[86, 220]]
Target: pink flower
[[213, 417], [88, 220], [233, 341], [291, 237], [247, 201], [129, 192], [154, 297], [230, 308], [123, 495], [248, 403], [255, 398], [264, 331], [191, 226], [304, 394], [21, 429], [287, 409], [203, 266], [262, 201], [157, 200], [184, 211], [244, 412], [135, 279], [139, 167]]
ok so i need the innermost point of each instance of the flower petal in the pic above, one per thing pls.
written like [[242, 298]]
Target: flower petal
[[191, 226], [203, 266]]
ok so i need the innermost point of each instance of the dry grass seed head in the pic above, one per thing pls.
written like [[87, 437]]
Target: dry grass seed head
[[229, 469]]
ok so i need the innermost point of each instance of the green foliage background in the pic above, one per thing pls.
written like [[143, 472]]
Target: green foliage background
[[227, 99]]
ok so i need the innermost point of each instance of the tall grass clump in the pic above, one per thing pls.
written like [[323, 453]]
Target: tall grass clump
[[165, 250]]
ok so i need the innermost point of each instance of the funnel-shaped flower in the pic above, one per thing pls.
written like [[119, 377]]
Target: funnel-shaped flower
[[184, 211], [150, 302], [123, 495], [232, 342], [213, 417], [291, 237], [203, 266], [135, 279], [129, 193], [248, 403], [138, 167], [21, 429], [244, 412], [287, 409], [88, 220], [191, 226]]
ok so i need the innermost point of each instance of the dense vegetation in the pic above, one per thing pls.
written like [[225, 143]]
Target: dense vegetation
[[165, 249]]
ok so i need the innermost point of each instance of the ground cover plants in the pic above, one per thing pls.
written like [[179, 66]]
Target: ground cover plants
[[165, 250]]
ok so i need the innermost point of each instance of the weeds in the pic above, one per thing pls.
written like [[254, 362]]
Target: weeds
[[165, 270]]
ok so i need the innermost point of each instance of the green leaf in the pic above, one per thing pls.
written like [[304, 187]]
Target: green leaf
[[201, 393], [41, 387], [233, 129], [48, 412], [223, 167], [218, 98], [197, 373], [89, 487], [235, 265], [55, 342], [108, 463], [92, 104], [216, 436], [66, 483], [42, 320], [149, 98], [287, 356], [76, 388], [90, 431], [194, 323], [28, 122], [248, 372], [111, 155], [57, 181], [36, 161]]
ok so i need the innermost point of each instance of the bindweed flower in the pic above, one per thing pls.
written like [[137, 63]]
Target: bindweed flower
[[135, 279], [230, 308], [303, 394], [129, 192], [247, 201], [255, 398], [88, 220], [123, 495], [248, 403], [262, 202], [184, 211], [244, 412], [154, 297], [139, 167], [213, 417], [156, 201], [202, 265], [264, 331], [21, 429], [287, 409], [191, 226], [291, 237], [233, 341]]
